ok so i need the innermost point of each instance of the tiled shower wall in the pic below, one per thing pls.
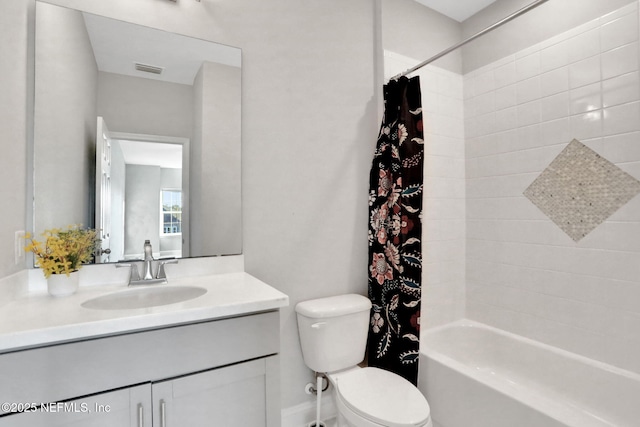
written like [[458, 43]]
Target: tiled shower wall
[[444, 191], [523, 273]]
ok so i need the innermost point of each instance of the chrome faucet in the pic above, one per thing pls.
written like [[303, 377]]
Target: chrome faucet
[[148, 276], [148, 261], [134, 274]]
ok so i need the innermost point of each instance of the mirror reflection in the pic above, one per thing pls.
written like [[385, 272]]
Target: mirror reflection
[[141, 194], [137, 133]]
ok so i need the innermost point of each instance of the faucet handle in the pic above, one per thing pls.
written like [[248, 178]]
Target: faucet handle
[[161, 273], [134, 274]]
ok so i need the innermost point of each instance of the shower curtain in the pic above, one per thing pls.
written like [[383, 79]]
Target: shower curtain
[[395, 250]]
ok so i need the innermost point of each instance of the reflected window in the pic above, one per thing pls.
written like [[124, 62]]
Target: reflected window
[[171, 211]]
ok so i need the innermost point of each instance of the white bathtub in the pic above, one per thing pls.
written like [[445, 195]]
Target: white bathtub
[[474, 375]]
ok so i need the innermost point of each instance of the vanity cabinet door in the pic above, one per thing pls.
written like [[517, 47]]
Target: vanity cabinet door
[[129, 407], [225, 397]]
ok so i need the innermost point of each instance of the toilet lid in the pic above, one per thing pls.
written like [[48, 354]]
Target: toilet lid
[[383, 397]]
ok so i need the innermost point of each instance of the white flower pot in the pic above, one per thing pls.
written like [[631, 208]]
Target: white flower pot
[[61, 285]]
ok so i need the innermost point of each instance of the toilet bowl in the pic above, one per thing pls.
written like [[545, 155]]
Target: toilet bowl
[[372, 397], [333, 336]]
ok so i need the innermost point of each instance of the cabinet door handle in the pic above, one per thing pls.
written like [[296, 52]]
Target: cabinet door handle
[[140, 415], [163, 414]]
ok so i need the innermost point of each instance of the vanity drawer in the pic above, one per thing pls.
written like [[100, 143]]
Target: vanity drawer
[[75, 369]]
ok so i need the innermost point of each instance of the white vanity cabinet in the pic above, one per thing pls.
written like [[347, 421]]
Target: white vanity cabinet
[[129, 407], [226, 397], [215, 373]]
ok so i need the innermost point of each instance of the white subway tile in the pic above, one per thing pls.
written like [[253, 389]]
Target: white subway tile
[[451, 107], [554, 56], [619, 32], [528, 66], [587, 125], [603, 263], [617, 236], [529, 113], [584, 72], [484, 82], [503, 142], [617, 294], [443, 145], [444, 208], [554, 81], [584, 45], [621, 89], [486, 124], [556, 132], [445, 187], [469, 86], [505, 97], [471, 168], [446, 83], [505, 74], [469, 108], [554, 106], [622, 118], [585, 99], [622, 148], [620, 60], [528, 90], [528, 136], [485, 103], [506, 119], [444, 167]]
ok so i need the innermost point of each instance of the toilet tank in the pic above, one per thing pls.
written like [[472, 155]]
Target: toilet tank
[[333, 331]]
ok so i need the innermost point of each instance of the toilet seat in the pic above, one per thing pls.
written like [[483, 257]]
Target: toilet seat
[[382, 397]]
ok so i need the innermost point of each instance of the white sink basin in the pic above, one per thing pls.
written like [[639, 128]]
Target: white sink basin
[[144, 297]]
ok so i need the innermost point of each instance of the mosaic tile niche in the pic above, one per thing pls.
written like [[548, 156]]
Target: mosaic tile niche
[[580, 189]]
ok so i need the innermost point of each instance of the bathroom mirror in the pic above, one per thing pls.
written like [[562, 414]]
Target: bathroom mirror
[[99, 79]]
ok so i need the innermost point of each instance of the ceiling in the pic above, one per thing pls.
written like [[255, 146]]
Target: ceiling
[[118, 45], [457, 9], [152, 154]]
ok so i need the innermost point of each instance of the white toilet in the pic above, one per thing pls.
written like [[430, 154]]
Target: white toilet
[[333, 336]]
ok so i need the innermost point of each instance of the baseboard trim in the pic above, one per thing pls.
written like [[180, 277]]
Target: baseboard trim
[[303, 414]]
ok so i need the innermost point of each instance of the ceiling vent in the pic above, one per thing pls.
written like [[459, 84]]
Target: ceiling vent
[[146, 68]]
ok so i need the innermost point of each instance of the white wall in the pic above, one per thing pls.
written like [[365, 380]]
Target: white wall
[[523, 273], [216, 227], [145, 106], [141, 213], [65, 120], [15, 66]]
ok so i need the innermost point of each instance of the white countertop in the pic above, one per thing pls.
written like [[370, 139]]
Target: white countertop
[[37, 319]]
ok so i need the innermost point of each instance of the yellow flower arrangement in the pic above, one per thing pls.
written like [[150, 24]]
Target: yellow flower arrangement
[[63, 251]]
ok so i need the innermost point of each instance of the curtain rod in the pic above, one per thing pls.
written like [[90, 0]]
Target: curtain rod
[[473, 37]]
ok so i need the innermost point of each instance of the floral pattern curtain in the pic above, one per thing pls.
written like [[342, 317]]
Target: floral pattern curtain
[[395, 250]]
